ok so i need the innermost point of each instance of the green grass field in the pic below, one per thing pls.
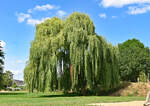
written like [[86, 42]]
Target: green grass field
[[56, 99]]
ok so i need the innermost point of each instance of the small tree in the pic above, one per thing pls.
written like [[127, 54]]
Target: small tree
[[142, 77], [14, 85], [7, 79]]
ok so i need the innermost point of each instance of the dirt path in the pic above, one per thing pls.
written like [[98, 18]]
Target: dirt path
[[133, 103]]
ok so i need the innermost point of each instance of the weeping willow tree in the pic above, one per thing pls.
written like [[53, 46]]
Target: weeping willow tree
[[68, 55]]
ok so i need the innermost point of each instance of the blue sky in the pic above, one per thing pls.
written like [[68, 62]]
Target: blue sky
[[116, 20]]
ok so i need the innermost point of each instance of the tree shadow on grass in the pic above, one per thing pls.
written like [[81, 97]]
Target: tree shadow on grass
[[111, 92], [62, 95], [9, 93]]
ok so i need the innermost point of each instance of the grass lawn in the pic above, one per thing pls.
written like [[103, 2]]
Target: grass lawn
[[56, 99]]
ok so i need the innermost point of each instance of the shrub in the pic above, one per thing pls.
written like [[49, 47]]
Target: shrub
[[142, 77]]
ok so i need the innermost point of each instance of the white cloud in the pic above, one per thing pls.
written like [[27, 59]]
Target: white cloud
[[21, 17], [19, 61], [121, 3], [2, 43], [16, 66], [113, 17], [103, 15], [33, 22], [45, 7], [133, 10], [29, 10], [17, 74], [61, 13]]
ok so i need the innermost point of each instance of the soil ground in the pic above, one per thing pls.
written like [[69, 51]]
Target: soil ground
[[133, 103]]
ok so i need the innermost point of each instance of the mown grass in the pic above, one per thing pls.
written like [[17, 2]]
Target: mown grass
[[57, 99]]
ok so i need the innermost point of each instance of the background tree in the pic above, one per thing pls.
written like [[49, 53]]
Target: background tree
[[14, 85], [1, 64], [142, 77], [134, 59], [7, 79]]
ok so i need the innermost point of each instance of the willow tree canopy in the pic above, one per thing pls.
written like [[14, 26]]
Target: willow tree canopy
[[69, 55]]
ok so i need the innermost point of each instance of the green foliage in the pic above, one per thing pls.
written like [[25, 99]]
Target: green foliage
[[7, 79], [1, 65], [69, 55], [134, 58], [1, 58], [14, 85], [142, 77]]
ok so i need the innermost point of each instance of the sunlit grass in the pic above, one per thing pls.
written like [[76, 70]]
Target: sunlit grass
[[56, 99]]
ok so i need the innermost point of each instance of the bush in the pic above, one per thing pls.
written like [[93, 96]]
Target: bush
[[142, 77]]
